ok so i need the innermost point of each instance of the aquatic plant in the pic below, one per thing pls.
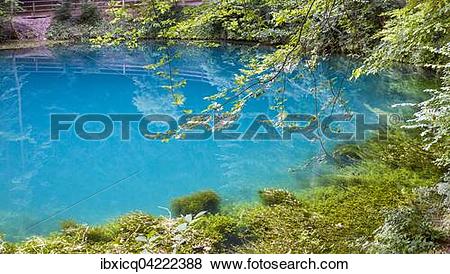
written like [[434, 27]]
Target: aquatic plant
[[68, 225], [174, 234], [271, 197], [195, 203], [216, 234], [403, 149]]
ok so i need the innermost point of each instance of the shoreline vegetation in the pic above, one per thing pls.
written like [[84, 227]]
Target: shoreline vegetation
[[30, 43], [382, 199], [26, 44], [385, 197]]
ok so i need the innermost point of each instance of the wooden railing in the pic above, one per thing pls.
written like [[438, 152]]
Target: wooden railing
[[49, 6], [50, 65]]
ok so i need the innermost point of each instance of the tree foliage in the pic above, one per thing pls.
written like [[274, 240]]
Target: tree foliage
[[8, 9], [433, 116], [419, 34], [131, 25], [414, 34], [384, 32]]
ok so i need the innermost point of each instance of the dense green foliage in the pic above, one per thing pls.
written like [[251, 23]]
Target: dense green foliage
[[416, 228], [207, 201], [74, 31], [90, 14], [128, 26], [8, 9], [87, 25], [328, 25], [433, 116], [63, 12], [414, 34], [332, 26], [419, 34]]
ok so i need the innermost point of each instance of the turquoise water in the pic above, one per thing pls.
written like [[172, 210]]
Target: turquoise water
[[41, 178]]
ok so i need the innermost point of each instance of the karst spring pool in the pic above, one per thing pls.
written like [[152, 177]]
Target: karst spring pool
[[41, 178]]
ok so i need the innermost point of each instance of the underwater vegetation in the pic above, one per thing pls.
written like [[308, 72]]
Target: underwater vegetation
[[385, 200], [193, 204]]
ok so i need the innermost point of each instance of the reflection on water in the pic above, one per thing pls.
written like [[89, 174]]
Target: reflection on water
[[39, 177]]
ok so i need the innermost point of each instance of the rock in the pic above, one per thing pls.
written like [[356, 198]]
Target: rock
[[31, 27]]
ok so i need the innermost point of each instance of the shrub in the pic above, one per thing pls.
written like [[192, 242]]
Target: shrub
[[63, 12], [76, 32], [271, 197], [418, 227], [89, 14], [193, 204], [405, 231]]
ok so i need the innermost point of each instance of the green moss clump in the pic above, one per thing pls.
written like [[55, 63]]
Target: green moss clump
[[68, 225], [193, 204], [271, 197], [99, 234], [136, 222], [216, 234]]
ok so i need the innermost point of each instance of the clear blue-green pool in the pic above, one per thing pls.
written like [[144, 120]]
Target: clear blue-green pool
[[41, 178]]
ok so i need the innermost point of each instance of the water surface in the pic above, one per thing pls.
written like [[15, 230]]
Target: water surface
[[39, 177]]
